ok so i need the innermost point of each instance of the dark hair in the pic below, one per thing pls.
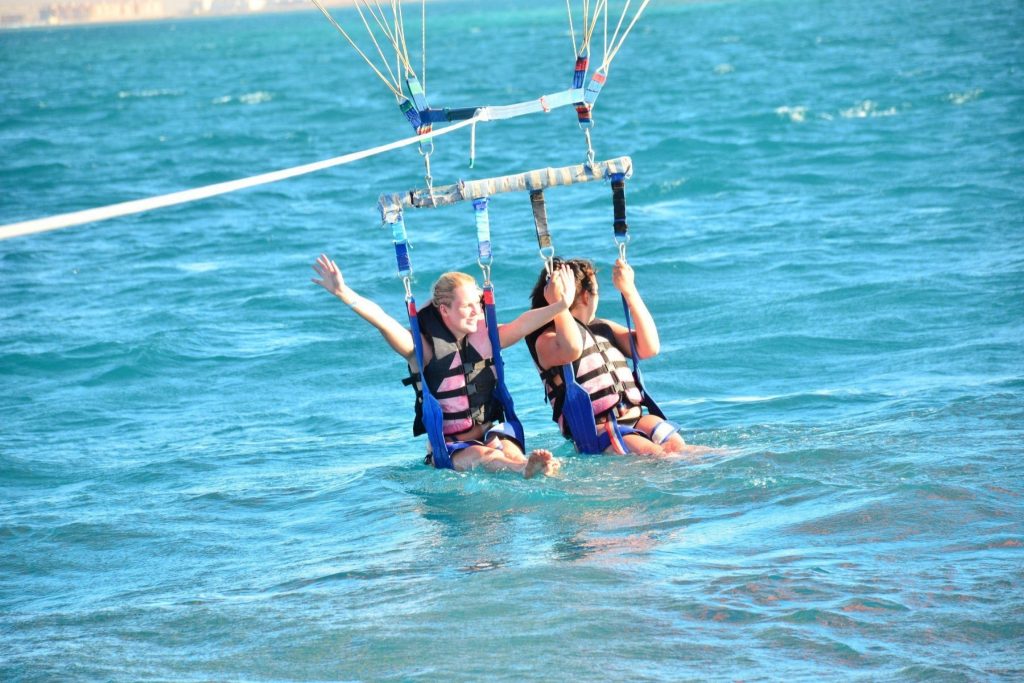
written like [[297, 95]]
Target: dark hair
[[586, 281], [583, 270]]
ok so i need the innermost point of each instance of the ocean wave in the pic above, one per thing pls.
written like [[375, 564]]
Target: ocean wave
[[867, 109], [156, 92], [258, 97], [794, 114], [959, 98]]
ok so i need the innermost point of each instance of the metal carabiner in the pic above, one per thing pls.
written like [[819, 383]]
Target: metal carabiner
[[547, 254], [621, 244], [590, 148]]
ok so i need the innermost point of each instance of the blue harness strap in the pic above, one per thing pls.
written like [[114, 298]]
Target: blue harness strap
[[500, 390], [638, 377], [618, 181], [485, 258], [433, 420], [578, 412]]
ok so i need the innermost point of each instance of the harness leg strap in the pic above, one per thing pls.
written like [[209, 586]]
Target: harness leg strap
[[663, 432]]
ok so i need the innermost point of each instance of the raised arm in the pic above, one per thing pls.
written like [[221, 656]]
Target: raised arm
[[559, 293], [396, 335], [563, 343], [648, 343]]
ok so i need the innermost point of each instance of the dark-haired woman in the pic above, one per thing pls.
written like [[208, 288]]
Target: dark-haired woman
[[578, 348]]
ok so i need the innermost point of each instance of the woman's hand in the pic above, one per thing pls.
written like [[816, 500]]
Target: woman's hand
[[332, 280], [622, 277], [561, 286]]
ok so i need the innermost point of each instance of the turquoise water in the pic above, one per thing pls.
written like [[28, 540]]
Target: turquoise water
[[205, 464]]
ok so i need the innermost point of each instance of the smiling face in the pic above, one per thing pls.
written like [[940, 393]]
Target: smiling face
[[463, 315]]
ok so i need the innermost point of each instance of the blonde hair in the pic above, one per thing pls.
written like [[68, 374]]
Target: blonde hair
[[444, 289]]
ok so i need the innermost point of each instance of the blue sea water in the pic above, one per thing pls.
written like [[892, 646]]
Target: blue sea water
[[206, 470]]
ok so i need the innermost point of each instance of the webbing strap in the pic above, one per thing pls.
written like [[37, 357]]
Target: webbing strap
[[620, 227], [500, 390], [580, 71], [448, 114], [618, 182], [540, 223], [419, 104], [540, 218], [483, 235], [401, 241], [419, 98], [619, 205], [594, 86], [584, 110], [544, 103], [433, 416], [408, 110]]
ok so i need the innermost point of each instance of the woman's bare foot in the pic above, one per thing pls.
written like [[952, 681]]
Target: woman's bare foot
[[541, 461]]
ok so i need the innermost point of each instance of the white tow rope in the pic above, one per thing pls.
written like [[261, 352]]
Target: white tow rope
[[67, 220]]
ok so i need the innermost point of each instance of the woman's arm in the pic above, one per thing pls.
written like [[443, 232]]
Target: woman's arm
[[397, 336], [648, 343], [564, 343], [559, 293]]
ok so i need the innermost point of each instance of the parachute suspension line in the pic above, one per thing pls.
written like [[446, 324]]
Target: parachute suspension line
[[615, 35], [400, 44], [617, 46], [388, 33], [396, 90], [423, 45], [601, 9], [587, 26], [604, 49], [572, 29]]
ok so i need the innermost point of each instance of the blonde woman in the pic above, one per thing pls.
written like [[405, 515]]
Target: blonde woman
[[458, 361]]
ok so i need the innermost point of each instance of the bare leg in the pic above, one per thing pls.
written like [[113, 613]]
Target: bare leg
[[675, 444], [638, 444], [494, 460]]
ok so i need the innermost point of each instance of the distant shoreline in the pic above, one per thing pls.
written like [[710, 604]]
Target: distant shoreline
[[10, 20]]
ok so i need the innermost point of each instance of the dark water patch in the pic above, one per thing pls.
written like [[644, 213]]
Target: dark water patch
[[823, 650], [871, 606], [823, 618], [925, 672]]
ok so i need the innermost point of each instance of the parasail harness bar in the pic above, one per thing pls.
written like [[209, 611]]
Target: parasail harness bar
[[392, 204]]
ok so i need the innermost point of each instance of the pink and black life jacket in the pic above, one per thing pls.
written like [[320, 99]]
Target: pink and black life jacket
[[460, 376]]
